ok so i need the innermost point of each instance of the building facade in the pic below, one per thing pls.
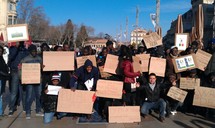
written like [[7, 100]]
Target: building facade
[[137, 36], [96, 43], [8, 14], [189, 19]]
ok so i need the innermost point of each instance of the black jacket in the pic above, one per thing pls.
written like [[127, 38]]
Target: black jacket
[[4, 75]]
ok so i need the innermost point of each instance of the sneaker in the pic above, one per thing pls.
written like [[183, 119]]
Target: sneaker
[[39, 114], [28, 117], [10, 113], [161, 119]]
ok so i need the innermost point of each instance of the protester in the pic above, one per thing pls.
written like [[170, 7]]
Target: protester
[[4, 75], [66, 47], [32, 88], [152, 98], [16, 54], [50, 102]]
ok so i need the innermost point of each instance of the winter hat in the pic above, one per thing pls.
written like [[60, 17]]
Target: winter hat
[[88, 63], [109, 43], [56, 77], [32, 48], [173, 47]]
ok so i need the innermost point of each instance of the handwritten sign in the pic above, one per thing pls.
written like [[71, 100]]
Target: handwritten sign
[[181, 41], [124, 114], [189, 83], [58, 61], [111, 64], [157, 66], [30, 73], [177, 94], [185, 62], [81, 60], [141, 62], [204, 97], [109, 89], [152, 40], [75, 102], [202, 59]]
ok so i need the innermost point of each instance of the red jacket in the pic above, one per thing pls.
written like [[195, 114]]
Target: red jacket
[[129, 74]]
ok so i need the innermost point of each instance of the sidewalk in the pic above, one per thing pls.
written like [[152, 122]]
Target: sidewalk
[[179, 120]]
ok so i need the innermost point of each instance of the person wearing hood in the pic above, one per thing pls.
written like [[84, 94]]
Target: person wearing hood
[[86, 77], [33, 57]]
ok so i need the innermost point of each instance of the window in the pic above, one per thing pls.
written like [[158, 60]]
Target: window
[[10, 20]]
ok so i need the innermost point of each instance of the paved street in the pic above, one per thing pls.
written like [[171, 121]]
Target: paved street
[[177, 121]]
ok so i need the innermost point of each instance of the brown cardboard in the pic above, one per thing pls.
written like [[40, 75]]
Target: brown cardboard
[[181, 61], [177, 94], [111, 64], [81, 60], [58, 61], [189, 83], [77, 101], [124, 114], [204, 97], [157, 66], [102, 73], [202, 59], [141, 62], [109, 89], [31, 73], [152, 40]]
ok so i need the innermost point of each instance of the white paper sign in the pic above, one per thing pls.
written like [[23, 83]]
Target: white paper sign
[[89, 84], [53, 89], [185, 63]]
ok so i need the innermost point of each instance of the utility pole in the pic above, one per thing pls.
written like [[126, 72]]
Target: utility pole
[[137, 18], [157, 13]]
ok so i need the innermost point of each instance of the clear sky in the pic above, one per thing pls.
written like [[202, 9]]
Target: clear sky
[[107, 15]]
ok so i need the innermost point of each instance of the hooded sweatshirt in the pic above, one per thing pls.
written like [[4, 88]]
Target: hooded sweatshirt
[[81, 75]]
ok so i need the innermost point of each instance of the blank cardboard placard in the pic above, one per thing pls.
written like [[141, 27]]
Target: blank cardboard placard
[[31, 73], [177, 94], [157, 66], [185, 62], [111, 64], [202, 59], [81, 60], [204, 97], [152, 40], [102, 73], [58, 61], [109, 89], [189, 83], [141, 62], [124, 114], [75, 101]]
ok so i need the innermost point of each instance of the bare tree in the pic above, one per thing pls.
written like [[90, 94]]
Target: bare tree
[[68, 35], [25, 9], [81, 36]]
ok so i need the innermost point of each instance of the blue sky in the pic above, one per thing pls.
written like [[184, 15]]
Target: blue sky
[[107, 15]]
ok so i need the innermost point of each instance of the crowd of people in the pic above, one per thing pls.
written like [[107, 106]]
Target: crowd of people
[[148, 91]]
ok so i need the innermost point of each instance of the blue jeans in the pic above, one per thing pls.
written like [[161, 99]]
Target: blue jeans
[[48, 117], [160, 104], [30, 90], [15, 83]]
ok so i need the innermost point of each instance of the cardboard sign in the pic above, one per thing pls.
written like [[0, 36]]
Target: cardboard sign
[[185, 62], [31, 73], [157, 66], [177, 94], [111, 64], [81, 60], [75, 101], [58, 61], [204, 97], [189, 83], [181, 41], [102, 73], [152, 40], [202, 59], [124, 114], [109, 89], [141, 62], [18, 32]]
